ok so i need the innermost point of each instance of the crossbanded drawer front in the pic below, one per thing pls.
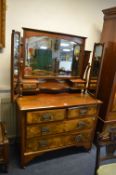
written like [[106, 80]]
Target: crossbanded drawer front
[[55, 128], [82, 111], [108, 127], [45, 116], [80, 124], [111, 116], [46, 129], [42, 143]]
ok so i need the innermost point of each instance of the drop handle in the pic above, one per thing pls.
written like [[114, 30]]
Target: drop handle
[[44, 130], [83, 111], [46, 117], [79, 138], [43, 143], [81, 125]]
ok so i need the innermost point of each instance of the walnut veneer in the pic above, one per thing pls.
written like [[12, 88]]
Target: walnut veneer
[[48, 122]]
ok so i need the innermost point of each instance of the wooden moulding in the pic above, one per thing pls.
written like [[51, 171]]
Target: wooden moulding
[[109, 13], [2, 22]]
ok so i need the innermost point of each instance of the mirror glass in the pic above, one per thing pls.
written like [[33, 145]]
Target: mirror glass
[[96, 61], [16, 53], [45, 56], [95, 67]]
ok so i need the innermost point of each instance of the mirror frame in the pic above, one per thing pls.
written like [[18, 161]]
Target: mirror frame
[[27, 33], [2, 22], [95, 79], [14, 79]]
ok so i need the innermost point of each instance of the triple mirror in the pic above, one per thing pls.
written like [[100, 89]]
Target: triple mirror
[[45, 55]]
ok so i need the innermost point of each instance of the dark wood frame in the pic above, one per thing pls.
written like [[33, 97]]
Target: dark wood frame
[[2, 22], [13, 95], [33, 81], [28, 32], [95, 79]]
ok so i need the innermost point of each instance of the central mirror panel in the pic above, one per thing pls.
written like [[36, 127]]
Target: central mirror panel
[[52, 54]]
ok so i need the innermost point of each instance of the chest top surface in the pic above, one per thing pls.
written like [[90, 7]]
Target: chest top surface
[[52, 101]]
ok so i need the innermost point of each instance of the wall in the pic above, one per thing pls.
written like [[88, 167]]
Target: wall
[[79, 17]]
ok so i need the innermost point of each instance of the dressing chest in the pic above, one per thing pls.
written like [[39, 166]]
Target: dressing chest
[[48, 87], [49, 122]]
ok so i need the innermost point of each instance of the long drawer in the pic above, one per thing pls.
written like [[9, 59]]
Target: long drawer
[[45, 143], [59, 127]]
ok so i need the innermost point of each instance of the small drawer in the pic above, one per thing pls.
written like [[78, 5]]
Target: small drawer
[[46, 129], [80, 124], [29, 86], [82, 111], [45, 116]]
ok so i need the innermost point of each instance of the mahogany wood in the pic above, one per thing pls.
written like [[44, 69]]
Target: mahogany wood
[[106, 89]]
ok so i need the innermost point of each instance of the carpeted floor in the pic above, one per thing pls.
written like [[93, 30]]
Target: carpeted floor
[[71, 161]]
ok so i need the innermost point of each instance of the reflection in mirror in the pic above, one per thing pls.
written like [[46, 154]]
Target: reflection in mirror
[[95, 67], [16, 53], [49, 56], [97, 61]]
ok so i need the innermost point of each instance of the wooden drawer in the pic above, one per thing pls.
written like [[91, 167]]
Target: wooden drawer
[[45, 116], [82, 111], [109, 126], [111, 116], [43, 143], [80, 124], [54, 128], [44, 129]]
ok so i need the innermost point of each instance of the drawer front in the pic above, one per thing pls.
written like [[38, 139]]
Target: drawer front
[[80, 124], [82, 111], [42, 144], [65, 126], [108, 127], [111, 116], [46, 129], [79, 85], [45, 116]]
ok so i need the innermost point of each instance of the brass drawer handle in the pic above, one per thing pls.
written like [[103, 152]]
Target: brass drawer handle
[[44, 130], [46, 117], [83, 111], [79, 138], [81, 125], [43, 143]]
